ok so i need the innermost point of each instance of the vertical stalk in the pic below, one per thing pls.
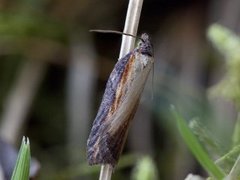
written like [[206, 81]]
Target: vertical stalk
[[130, 27], [106, 172]]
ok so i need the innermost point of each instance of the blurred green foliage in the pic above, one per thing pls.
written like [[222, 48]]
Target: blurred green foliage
[[229, 87], [228, 44], [20, 25], [196, 148], [145, 169]]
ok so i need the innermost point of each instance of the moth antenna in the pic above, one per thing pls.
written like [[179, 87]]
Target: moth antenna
[[153, 81], [113, 32]]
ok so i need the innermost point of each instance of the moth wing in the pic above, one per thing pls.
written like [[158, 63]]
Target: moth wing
[[110, 144], [131, 99], [97, 145], [110, 138]]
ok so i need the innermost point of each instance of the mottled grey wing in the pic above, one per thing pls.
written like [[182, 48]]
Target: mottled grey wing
[[100, 125]]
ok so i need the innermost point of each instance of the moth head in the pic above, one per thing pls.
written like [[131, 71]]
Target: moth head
[[145, 46]]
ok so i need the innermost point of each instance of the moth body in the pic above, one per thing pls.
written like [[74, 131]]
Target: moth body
[[119, 104]]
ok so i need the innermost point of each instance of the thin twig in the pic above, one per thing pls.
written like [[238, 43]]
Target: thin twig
[[106, 172], [131, 26]]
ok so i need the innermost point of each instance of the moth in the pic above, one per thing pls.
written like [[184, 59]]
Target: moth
[[119, 104]]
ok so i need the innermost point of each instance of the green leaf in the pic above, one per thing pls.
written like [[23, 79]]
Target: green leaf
[[212, 145], [21, 170], [196, 148]]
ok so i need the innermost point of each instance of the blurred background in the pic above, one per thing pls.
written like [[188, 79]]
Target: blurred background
[[53, 74]]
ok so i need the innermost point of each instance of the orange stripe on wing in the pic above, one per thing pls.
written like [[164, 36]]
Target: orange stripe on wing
[[123, 85]]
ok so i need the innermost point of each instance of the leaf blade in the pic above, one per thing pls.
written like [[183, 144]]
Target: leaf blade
[[196, 148], [22, 167]]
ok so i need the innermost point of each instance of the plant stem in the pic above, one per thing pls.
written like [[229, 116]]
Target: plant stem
[[131, 26], [106, 172]]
